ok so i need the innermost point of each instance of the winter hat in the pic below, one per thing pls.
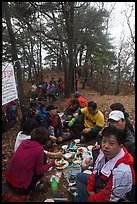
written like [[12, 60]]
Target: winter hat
[[76, 94]]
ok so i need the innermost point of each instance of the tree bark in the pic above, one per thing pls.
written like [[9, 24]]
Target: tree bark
[[69, 18], [14, 54]]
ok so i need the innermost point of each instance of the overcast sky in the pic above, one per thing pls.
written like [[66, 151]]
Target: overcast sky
[[119, 20]]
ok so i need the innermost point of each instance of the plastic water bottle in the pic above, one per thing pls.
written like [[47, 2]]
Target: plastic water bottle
[[71, 122], [51, 130], [54, 186]]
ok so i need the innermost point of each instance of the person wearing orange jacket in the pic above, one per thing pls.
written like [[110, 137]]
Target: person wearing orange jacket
[[82, 101]]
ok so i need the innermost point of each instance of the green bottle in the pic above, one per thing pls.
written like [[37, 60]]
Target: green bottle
[[54, 186], [71, 122]]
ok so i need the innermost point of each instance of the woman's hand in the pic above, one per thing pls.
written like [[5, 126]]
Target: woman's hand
[[52, 138], [59, 154]]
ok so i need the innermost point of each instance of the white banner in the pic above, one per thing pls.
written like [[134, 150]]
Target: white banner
[[9, 89]]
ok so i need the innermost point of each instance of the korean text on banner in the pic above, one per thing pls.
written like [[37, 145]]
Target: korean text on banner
[[9, 89]]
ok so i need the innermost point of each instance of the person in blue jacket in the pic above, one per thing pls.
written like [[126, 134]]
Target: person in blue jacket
[[40, 111]]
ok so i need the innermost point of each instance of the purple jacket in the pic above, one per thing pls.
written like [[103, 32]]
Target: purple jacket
[[26, 161]]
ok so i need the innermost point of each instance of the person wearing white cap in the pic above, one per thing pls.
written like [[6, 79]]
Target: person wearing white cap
[[120, 107], [116, 118], [116, 115]]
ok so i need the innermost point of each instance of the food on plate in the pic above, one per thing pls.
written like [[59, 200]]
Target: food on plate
[[78, 161], [82, 149], [60, 162]]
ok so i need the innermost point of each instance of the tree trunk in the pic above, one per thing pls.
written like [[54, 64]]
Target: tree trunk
[[14, 54], [118, 78], [40, 58], [69, 18]]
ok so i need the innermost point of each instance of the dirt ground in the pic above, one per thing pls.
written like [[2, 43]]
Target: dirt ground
[[8, 138]]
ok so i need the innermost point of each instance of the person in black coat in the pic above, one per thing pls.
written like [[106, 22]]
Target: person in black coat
[[120, 107], [116, 118]]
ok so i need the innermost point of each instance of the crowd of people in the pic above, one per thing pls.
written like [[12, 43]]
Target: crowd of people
[[51, 91], [42, 127]]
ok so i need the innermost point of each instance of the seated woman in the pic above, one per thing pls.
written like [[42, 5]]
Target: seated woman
[[27, 167], [28, 126], [113, 175], [24, 134]]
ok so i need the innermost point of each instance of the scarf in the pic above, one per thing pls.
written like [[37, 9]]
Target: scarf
[[106, 168]]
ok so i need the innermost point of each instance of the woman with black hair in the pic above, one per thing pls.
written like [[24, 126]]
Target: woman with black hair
[[24, 134], [26, 167]]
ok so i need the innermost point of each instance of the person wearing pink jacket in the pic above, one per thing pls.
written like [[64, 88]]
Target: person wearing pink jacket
[[27, 167]]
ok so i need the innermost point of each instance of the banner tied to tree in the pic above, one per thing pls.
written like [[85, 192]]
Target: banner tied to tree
[[9, 89]]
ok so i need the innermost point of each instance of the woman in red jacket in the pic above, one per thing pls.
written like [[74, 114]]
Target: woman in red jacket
[[26, 167], [113, 175]]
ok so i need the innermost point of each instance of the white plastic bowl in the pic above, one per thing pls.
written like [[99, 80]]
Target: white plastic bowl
[[68, 155], [77, 141], [64, 147]]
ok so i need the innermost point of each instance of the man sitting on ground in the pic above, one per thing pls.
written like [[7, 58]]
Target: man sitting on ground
[[113, 175], [93, 122], [116, 118]]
